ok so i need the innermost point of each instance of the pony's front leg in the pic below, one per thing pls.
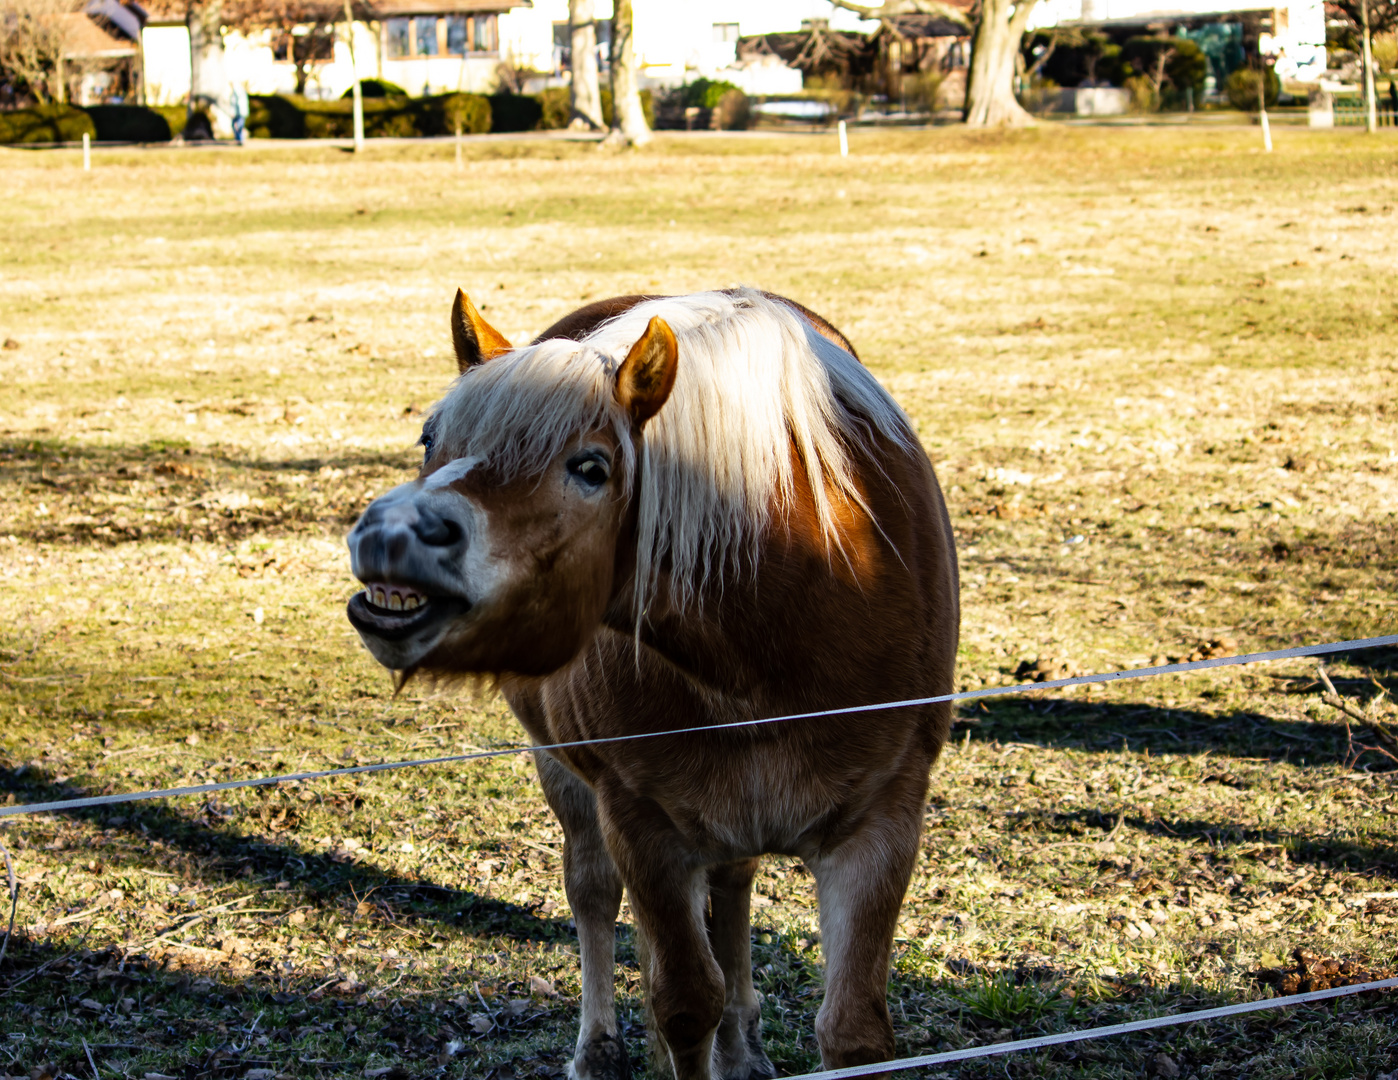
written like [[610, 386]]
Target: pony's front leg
[[861, 885], [594, 893], [738, 1053], [667, 891]]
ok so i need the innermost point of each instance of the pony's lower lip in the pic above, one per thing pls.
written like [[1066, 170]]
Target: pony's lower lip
[[368, 618]]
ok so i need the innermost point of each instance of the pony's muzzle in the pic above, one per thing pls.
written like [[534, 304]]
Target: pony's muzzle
[[408, 549]]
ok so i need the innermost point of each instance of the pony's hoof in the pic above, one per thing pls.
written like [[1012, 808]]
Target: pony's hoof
[[753, 1065], [603, 1058], [759, 1069]]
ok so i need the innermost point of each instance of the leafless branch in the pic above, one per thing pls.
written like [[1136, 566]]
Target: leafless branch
[[14, 901]]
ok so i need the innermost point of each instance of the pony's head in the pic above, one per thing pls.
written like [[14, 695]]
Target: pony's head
[[504, 552]]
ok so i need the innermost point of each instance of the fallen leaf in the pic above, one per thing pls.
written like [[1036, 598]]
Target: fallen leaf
[[541, 986]]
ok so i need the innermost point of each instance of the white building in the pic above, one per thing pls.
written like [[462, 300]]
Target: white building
[[1293, 34], [438, 46]]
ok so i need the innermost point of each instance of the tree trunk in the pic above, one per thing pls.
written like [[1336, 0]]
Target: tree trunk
[[629, 125], [990, 98], [208, 81], [586, 98], [358, 89], [1371, 120]]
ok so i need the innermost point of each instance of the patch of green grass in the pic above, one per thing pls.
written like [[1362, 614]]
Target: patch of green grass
[[998, 999]]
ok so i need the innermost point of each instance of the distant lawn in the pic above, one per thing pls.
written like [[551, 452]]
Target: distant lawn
[[1155, 368]]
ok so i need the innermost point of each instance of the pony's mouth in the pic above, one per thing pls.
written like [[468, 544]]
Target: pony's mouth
[[394, 611]]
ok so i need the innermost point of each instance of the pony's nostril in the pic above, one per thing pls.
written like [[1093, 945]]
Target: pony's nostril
[[436, 530]]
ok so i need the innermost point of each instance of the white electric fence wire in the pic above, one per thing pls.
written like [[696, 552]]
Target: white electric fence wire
[[850, 710], [1041, 1041], [902, 1064]]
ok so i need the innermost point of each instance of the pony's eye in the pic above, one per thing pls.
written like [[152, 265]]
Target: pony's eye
[[590, 469], [426, 442]]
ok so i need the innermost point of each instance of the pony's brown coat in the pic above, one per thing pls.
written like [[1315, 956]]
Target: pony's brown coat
[[679, 820]]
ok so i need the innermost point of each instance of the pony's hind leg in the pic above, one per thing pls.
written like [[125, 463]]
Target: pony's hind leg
[[738, 1053], [594, 893], [861, 885]]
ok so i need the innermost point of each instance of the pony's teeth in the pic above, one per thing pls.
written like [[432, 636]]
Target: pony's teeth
[[395, 602]]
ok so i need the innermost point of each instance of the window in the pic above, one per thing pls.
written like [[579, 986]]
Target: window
[[726, 31], [398, 38], [485, 37], [440, 35], [425, 35], [456, 35]]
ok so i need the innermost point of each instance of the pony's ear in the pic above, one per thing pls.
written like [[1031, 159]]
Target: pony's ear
[[647, 375], [475, 339]]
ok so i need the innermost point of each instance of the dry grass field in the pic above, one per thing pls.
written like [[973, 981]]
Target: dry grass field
[[1156, 370]]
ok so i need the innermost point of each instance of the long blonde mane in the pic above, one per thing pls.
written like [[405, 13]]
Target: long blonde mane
[[755, 381]]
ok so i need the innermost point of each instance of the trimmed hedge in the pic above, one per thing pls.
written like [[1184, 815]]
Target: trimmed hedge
[[175, 115], [555, 109], [129, 123], [515, 112], [376, 88], [45, 124], [290, 116], [1243, 84]]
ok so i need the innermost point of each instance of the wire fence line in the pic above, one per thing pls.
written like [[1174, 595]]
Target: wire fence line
[[880, 1068], [1083, 1034], [1324, 649]]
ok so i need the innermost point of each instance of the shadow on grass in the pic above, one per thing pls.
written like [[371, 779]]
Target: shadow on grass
[[31, 470], [321, 879], [1064, 723], [206, 1009]]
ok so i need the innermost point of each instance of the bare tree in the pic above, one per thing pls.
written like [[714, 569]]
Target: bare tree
[[32, 35], [891, 8], [629, 125], [209, 91], [585, 97], [316, 18], [990, 97]]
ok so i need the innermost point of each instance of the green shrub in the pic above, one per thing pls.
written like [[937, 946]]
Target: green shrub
[[467, 113], [515, 112], [289, 116], [705, 93], [376, 88], [175, 115], [1144, 98], [129, 123], [1243, 85], [647, 107], [1189, 67], [732, 112], [556, 108], [273, 116], [45, 124]]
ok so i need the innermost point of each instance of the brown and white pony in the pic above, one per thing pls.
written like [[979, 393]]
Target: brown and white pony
[[674, 512]]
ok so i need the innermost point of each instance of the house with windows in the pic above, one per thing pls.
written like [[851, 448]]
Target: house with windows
[[1290, 34], [424, 46], [439, 46]]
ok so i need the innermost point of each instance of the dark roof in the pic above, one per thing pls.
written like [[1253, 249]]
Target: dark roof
[[925, 26]]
